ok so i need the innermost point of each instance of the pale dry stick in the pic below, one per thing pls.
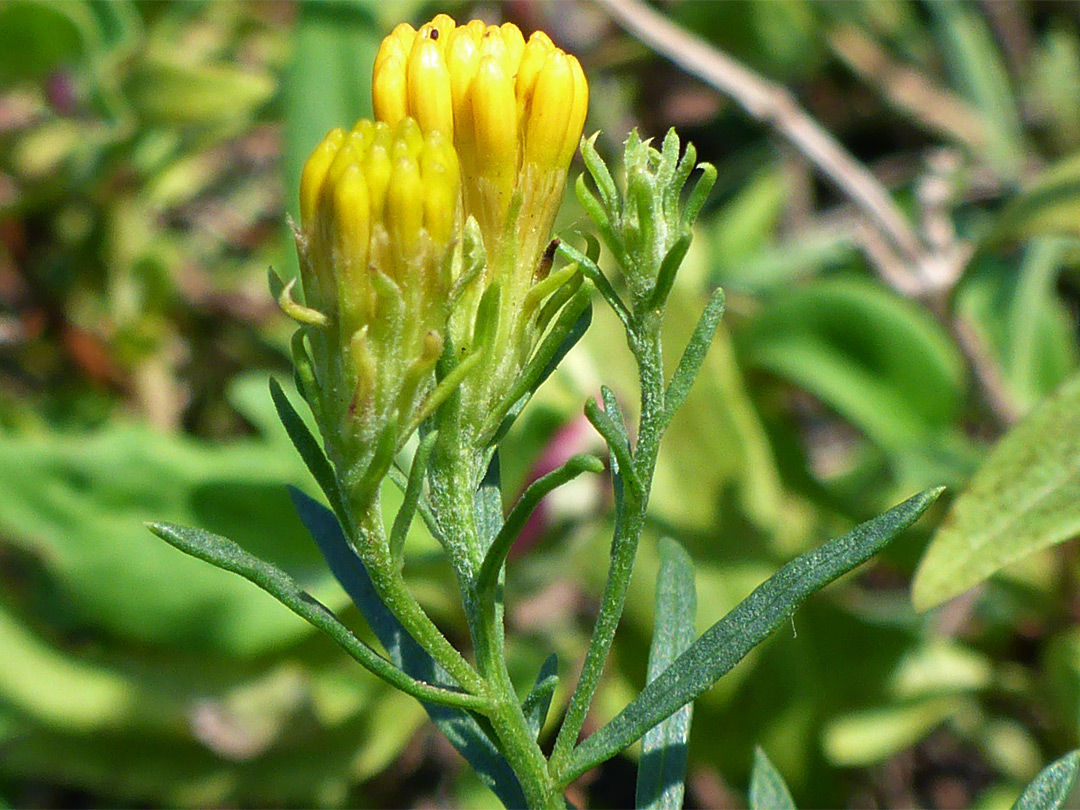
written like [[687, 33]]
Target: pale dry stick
[[774, 105]]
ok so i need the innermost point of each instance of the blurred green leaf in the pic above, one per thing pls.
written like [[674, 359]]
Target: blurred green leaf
[[1024, 498], [38, 37], [170, 91], [78, 504], [768, 791], [1052, 786], [866, 737], [662, 770], [1049, 205], [879, 360], [976, 64]]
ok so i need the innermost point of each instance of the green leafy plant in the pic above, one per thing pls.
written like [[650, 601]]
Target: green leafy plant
[[484, 378]]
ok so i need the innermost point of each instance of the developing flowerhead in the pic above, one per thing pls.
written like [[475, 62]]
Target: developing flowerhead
[[379, 210], [514, 110]]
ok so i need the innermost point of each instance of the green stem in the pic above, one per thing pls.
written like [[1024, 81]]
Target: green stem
[[453, 498], [629, 522], [395, 594]]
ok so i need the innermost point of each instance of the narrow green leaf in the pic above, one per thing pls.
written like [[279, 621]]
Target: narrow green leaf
[[694, 355], [537, 703], [308, 447], [601, 220], [554, 350], [599, 171], [488, 577], [730, 639], [413, 489], [696, 201], [489, 505], [227, 555], [1051, 788], [615, 436], [1025, 497], [460, 727], [603, 286], [661, 774], [669, 267], [768, 790]]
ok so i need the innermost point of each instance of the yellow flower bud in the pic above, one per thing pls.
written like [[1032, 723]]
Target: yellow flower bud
[[314, 173], [388, 90], [514, 110], [405, 208], [495, 132], [429, 99], [552, 98], [441, 181]]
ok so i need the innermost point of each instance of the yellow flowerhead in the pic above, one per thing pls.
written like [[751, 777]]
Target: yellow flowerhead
[[379, 219], [514, 110]]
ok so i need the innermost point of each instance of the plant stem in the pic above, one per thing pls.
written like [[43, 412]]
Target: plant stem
[[395, 594], [629, 521], [453, 498]]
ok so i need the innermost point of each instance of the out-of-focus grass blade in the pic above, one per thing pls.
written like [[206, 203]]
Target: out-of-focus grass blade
[[978, 70]]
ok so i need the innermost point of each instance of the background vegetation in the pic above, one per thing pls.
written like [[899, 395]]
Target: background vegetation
[[149, 153]]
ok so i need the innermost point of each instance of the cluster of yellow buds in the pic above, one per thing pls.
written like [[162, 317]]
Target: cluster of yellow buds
[[514, 110], [380, 211], [426, 230]]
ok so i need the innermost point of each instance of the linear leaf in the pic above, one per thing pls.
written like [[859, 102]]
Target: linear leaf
[[768, 790], [538, 701], [694, 354], [307, 446], [515, 521], [1051, 788], [225, 554], [730, 639], [460, 727], [661, 774], [1025, 497]]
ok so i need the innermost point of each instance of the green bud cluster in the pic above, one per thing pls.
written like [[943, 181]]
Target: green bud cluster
[[646, 225]]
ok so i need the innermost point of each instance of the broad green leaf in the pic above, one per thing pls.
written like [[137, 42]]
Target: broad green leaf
[[78, 505], [728, 641], [768, 790], [1025, 497], [880, 361], [662, 771], [62, 692], [1051, 788]]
